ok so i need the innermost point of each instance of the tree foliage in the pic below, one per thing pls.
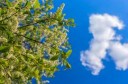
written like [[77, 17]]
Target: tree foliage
[[33, 40]]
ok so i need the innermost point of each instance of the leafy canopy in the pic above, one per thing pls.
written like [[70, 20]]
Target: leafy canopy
[[33, 40]]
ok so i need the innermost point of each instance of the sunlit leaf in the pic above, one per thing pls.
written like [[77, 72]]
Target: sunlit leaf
[[37, 4]]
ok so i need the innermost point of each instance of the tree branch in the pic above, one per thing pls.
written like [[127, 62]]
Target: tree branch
[[39, 21], [9, 16], [28, 38], [33, 23]]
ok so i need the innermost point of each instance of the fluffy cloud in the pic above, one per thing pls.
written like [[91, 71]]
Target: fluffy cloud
[[105, 39], [119, 53]]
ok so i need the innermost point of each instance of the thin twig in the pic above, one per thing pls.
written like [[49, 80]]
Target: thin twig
[[33, 23], [8, 17], [28, 38]]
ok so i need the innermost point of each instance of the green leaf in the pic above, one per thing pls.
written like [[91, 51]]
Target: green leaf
[[71, 22], [31, 56], [9, 4], [4, 48], [67, 65], [36, 72], [37, 4], [27, 4], [67, 54], [54, 58]]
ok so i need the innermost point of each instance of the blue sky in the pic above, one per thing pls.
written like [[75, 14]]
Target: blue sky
[[80, 37]]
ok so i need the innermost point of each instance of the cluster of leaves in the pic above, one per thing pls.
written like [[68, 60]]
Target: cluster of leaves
[[33, 40]]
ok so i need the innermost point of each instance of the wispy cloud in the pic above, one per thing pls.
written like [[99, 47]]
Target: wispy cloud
[[104, 39]]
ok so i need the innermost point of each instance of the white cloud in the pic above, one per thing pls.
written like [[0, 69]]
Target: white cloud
[[119, 53], [102, 29]]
